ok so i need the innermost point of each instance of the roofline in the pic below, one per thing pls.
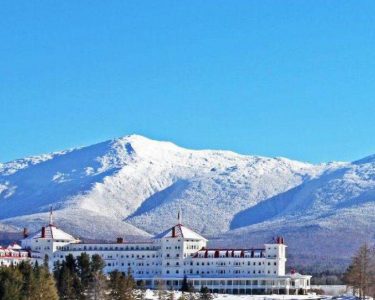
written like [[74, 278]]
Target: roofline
[[114, 243], [156, 237], [232, 249]]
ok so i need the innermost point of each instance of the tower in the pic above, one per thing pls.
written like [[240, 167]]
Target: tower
[[276, 256]]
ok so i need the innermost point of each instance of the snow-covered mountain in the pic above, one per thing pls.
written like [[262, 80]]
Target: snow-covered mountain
[[135, 186], [332, 214]]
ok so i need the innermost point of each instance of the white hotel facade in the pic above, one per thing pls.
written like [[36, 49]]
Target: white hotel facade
[[176, 253]]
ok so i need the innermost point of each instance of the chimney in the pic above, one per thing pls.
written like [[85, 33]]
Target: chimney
[[43, 232], [173, 232], [119, 240], [25, 233]]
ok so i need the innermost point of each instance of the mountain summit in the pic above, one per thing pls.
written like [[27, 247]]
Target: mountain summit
[[134, 186]]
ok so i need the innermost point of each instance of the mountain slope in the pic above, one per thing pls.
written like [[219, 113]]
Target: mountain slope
[[334, 212], [134, 186], [348, 188], [138, 181]]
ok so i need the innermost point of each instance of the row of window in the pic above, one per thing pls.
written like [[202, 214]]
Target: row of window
[[109, 248], [39, 248], [170, 247], [222, 272], [234, 264]]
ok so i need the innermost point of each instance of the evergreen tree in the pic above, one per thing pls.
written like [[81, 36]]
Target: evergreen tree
[[115, 284], [10, 283], [129, 286], [205, 294], [84, 269], [97, 263], [184, 285], [191, 288], [46, 261], [28, 278], [71, 263], [80, 278], [122, 286], [98, 282], [45, 285], [68, 282]]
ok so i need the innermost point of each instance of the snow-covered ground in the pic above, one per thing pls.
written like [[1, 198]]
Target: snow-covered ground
[[152, 295]]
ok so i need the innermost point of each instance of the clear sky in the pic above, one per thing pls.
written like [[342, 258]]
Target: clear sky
[[274, 78]]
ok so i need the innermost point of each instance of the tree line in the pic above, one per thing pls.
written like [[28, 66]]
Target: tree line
[[81, 278], [27, 282], [360, 274]]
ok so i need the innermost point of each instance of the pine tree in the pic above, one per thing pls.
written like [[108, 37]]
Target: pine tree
[[129, 286], [191, 288], [205, 294], [121, 286], [46, 261], [68, 282], [10, 283], [84, 269], [97, 263], [28, 277], [98, 282], [45, 285], [115, 283], [185, 285]]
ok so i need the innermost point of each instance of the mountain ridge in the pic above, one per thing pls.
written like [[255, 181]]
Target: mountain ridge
[[133, 185]]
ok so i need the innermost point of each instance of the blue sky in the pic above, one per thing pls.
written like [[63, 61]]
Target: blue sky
[[275, 78]]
